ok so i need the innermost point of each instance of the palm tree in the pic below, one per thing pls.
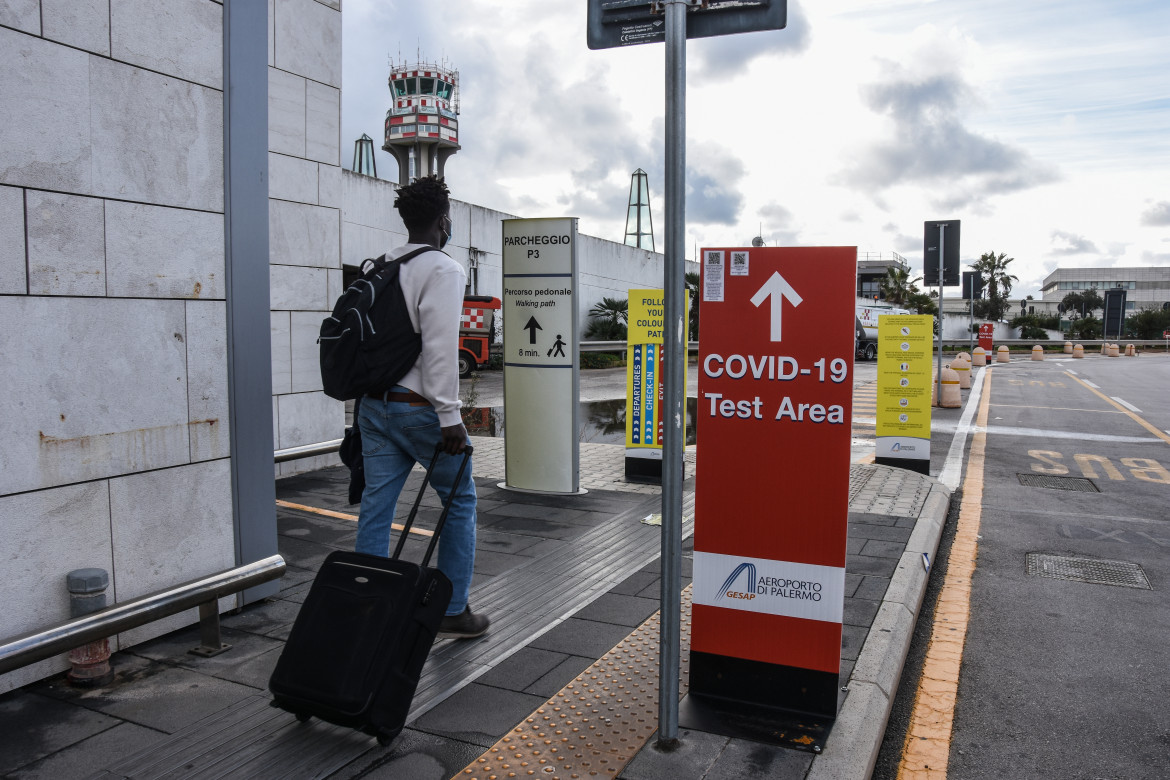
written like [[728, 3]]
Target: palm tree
[[997, 281], [614, 309], [897, 286], [692, 283], [608, 320]]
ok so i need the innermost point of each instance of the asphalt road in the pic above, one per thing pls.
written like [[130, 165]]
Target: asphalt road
[[1065, 678]]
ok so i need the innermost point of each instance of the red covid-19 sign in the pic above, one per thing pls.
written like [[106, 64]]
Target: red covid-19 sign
[[771, 499]]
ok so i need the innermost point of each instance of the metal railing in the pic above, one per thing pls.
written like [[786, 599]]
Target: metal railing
[[307, 450], [204, 593]]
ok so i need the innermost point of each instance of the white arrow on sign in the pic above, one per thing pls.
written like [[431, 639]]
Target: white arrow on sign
[[777, 289]]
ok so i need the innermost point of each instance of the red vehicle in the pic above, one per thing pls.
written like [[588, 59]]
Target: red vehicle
[[477, 332]]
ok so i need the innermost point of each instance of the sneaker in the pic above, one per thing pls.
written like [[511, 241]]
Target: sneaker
[[465, 625]]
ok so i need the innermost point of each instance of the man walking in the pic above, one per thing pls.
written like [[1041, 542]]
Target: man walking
[[401, 425]]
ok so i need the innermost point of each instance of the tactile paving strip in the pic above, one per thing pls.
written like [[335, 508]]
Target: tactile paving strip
[[597, 723]]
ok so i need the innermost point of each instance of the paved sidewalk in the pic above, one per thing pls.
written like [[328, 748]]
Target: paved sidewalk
[[564, 578]]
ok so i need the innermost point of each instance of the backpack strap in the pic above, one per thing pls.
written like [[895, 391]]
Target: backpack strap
[[381, 260]]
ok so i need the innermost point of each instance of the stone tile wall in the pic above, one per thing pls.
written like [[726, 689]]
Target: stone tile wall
[[114, 444], [305, 193]]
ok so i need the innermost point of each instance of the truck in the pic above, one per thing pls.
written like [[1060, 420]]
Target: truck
[[866, 325], [477, 332]]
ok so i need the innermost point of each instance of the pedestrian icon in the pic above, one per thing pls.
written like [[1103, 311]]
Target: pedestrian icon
[[558, 348]]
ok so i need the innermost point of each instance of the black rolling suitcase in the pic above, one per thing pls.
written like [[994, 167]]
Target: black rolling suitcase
[[358, 645]]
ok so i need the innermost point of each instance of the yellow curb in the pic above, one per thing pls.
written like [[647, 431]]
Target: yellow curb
[[926, 751]]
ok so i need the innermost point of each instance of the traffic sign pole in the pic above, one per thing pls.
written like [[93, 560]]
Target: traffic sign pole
[[674, 340], [942, 235]]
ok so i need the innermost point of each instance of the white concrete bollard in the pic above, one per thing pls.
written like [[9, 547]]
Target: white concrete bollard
[[1078, 351], [978, 357], [1113, 351], [1068, 346], [963, 369], [951, 398], [1002, 355], [1037, 352], [1130, 350]]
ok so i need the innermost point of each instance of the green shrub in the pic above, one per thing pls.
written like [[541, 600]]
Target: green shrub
[[600, 360]]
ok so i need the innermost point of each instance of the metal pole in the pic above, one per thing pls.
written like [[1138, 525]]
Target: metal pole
[[971, 318], [675, 343], [942, 229]]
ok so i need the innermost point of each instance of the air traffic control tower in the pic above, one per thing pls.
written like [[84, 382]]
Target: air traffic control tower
[[422, 126]]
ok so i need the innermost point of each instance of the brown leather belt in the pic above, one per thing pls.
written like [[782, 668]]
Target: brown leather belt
[[397, 396]]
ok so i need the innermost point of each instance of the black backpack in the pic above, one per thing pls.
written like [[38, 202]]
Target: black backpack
[[368, 343]]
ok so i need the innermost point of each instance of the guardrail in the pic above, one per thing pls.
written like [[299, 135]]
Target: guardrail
[[203, 592], [1057, 342]]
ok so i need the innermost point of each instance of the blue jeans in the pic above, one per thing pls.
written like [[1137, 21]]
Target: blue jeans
[[395, 436]]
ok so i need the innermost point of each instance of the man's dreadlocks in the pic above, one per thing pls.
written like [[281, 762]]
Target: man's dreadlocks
[[422, 201]]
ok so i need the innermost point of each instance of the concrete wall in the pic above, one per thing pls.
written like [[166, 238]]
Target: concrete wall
[[370, 226], [305, 199], [114, 444]]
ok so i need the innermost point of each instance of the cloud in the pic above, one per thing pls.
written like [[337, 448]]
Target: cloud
[[713, 192], [726, 56], [1065, 243], [775, 214], [1157, 215], [930, 146]]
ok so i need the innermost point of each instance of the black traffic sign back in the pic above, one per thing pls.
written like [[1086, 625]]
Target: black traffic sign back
[[950, 244], [972, 283], [613, 23]]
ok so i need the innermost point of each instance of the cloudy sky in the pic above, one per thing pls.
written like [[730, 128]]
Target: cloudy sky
[[1044, 126]]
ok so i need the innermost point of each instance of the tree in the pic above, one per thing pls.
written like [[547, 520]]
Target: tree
[[921, 303], [897, 286], [1086, 328], [1082, 304], [1031, 326], [692, 282], [997, 281], [1149, 323], [608, 320]]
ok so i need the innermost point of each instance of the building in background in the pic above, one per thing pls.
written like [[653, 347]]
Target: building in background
[[639, 225], [1145, 287], [422, 125], [363, 157], [872, 267]]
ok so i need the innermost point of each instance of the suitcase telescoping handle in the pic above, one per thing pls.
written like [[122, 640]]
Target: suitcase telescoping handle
[[446, 504]]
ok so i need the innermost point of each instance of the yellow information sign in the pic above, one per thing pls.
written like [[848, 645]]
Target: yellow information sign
[[903, 390], [645, 389]]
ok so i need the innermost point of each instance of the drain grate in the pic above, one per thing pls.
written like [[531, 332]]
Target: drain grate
[[1092, 570], [1058, 483]]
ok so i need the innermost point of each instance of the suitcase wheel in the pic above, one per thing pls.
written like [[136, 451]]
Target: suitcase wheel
[[303, 716], [384, 739]]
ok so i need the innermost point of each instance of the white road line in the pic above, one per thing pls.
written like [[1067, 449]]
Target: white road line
[[1070, 371], [1008, 430], [1090, 384], [1126, 404], [952, 470]]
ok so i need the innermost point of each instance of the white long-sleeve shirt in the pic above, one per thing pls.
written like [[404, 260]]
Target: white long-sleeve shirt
[[433, 285]]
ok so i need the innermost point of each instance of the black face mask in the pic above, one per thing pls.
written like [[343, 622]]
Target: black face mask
[[446, 232]]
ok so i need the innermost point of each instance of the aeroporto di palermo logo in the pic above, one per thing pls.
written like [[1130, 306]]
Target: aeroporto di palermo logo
[[752, 585], [748, 593]]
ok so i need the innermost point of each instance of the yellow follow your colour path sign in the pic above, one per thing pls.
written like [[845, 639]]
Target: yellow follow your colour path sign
[[645, 391], [903, 390]]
